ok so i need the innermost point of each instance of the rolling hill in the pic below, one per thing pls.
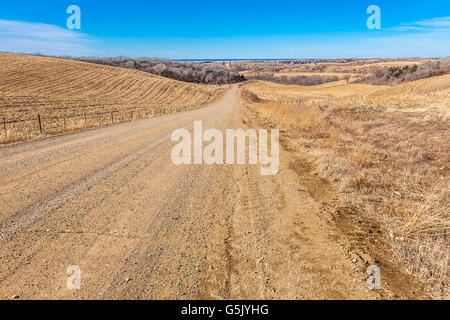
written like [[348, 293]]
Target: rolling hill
[[58, 89]]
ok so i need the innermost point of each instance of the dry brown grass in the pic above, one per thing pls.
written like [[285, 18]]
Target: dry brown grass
[[59, 90], [386, 150]]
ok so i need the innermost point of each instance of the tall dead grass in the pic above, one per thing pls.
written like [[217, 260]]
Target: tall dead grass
[[392, 166]]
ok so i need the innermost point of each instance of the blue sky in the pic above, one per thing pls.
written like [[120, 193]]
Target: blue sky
[[230, 29]]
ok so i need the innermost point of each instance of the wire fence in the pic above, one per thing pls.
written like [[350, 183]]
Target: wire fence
[[58, 121]]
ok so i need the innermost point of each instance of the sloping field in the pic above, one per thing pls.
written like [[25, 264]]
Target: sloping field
[[60, 90], [432, 92], [281, 92]]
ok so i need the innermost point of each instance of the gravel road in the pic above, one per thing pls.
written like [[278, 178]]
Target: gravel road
[[110, 201]]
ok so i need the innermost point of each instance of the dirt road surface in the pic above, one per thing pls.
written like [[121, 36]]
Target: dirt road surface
[[111, 201]]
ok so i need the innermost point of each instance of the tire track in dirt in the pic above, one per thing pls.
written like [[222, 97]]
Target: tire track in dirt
[[24, 218]]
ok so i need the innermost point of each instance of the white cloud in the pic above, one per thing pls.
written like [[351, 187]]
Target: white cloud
[[31, 37], [427, 38], [435, 24]]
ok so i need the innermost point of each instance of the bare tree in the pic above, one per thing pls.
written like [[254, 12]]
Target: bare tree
[[197, 72], [159, 68]]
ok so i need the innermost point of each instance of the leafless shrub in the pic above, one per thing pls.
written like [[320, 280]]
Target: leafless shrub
[[398, 74]]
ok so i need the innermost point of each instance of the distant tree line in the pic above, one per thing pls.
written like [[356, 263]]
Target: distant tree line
[[396, 74], [304, 80], [197, 72], [315, 61]]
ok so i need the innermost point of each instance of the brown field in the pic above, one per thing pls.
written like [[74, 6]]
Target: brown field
[[384, 151], [323, 93], [353, 77], [71, 95]]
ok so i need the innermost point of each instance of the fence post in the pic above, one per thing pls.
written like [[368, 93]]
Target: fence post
[[4, 127], [64, 117], [131, 115], [85, 120], [112, 117], [40, 124]]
